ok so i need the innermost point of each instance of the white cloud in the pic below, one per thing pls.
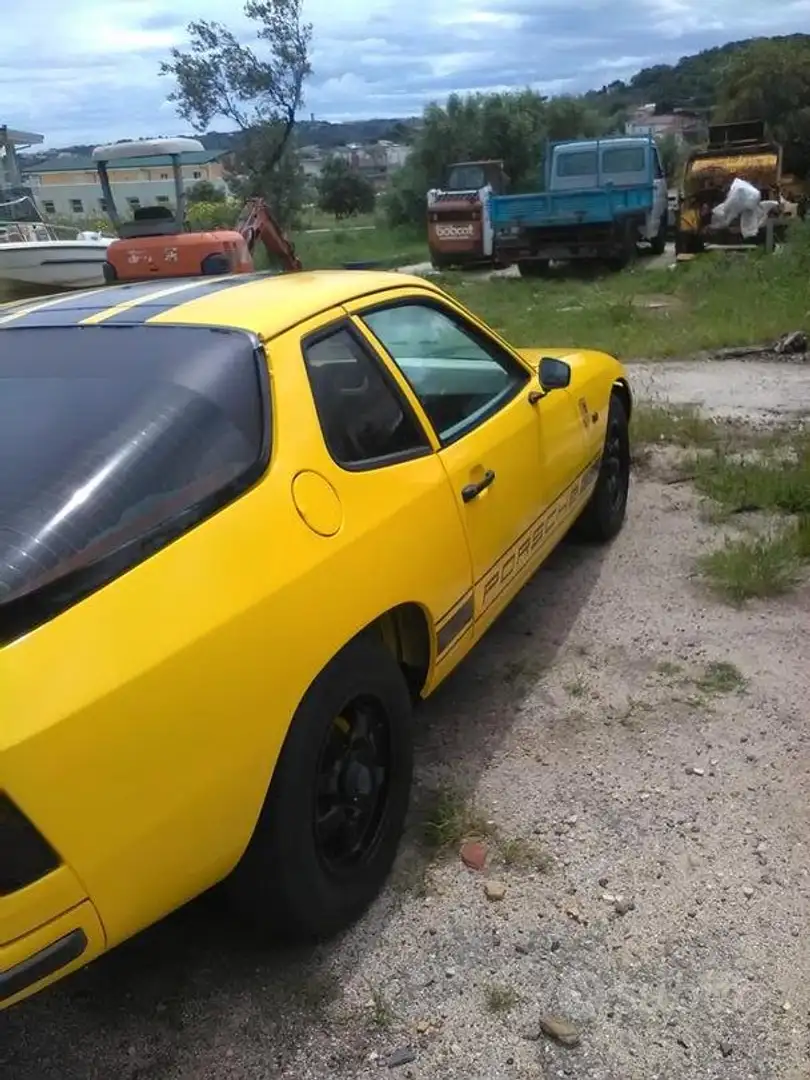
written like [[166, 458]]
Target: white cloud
[[87, 70]]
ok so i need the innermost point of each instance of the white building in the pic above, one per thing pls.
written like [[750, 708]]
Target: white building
[[67, 186]]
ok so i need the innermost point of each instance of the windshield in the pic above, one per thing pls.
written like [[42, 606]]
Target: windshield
[[466, 178], [117, 435], [17, 205]]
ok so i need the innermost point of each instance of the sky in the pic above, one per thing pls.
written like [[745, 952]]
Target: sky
[[86, 71]]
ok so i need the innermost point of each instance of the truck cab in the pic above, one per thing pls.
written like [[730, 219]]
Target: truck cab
[[459, 225]]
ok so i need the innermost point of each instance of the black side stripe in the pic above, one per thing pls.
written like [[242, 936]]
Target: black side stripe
[[159, 305], [455, 626], [503, 568]]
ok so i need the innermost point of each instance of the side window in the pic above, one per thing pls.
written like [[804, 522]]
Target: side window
[[459, 379], [658, 170], [362, 415]]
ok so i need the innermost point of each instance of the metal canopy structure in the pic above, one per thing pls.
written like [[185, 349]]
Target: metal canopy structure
[[10, 139]]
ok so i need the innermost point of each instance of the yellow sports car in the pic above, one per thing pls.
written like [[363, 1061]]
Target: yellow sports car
[[245, 523]]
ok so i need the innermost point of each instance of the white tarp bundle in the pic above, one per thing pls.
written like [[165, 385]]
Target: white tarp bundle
[[744, 202]]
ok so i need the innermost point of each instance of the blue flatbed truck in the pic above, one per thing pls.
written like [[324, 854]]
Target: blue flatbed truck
[[602, 198]]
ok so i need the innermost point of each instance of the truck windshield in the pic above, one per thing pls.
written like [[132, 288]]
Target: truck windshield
[[121, 439], [466, 178]]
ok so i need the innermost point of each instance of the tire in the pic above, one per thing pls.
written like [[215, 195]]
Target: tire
[[288, 884], [534, 268], [688, 244], [603, 517], [658, 244]]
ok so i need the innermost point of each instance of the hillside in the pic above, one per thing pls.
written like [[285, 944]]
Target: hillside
[[690, 83], [319, 133]]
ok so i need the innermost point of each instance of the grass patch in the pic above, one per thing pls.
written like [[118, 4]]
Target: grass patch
[[717, 300], [500, 999], [674, 426], [518, 853], [350, 243], [773, 482], [721, 677], [451, 820], [760, 566]]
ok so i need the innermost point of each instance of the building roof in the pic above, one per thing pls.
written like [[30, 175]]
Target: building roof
[[85, 163], [266, 304]]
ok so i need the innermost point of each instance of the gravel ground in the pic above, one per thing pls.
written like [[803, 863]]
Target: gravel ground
[[652, 813]]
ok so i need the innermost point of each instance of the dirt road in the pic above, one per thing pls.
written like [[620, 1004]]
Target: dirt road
[[641, 755]]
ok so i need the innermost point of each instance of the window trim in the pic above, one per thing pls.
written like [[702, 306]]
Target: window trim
[[344, 322], [489, 344], [25, 613]]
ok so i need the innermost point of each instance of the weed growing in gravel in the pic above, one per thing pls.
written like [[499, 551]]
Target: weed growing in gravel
[[517, 852], [451, 819], [668, 669], [721, 677], [318, 992], [501, 999], [577, 688], [382, 1013], [759, 567]]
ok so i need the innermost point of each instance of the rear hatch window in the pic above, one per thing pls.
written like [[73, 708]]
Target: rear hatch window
[[113, 442]]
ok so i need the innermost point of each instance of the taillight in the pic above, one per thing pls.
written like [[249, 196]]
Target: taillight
[[25, 856]]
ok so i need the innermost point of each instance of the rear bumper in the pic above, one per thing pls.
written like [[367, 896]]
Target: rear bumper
[[49, 952]]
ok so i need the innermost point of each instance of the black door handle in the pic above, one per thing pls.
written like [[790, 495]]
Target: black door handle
[[471, 491]]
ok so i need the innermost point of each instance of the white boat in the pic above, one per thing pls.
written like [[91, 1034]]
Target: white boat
[[34, 254]]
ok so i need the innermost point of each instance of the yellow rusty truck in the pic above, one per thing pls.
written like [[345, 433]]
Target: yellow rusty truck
[[741, 150]]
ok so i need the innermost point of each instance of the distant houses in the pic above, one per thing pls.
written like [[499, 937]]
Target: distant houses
[[684, 125]]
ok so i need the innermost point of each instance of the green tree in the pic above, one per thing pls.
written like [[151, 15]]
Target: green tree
[[512, 127], [257, 172], [671, 153], [260, 92], [770, 80], [343, 191], [204, 192]]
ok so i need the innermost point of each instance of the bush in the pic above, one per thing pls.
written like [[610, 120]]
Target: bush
[[202, 216]]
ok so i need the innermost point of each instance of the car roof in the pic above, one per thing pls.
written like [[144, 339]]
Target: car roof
[[264, 303]]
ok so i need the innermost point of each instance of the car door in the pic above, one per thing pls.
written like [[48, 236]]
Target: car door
[[478, 400]]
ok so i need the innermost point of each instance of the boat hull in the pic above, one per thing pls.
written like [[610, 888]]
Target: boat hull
[[59, 264]]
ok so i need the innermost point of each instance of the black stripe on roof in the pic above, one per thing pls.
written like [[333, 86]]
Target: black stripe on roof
[[159, 305], [73, 309]]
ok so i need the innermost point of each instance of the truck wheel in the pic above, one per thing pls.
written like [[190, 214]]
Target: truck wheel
[[534, 268], [331, 823], [604, 516]]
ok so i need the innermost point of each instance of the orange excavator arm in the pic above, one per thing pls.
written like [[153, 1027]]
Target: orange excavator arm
[[257, 222]]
